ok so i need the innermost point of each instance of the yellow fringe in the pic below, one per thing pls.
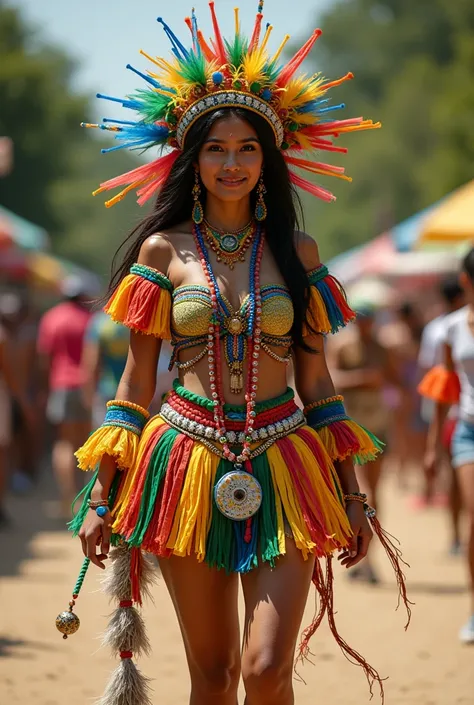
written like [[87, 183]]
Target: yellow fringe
[[193, 514], [119, 305], [123, 498], [108, 440], [283, 484], [317, 313]]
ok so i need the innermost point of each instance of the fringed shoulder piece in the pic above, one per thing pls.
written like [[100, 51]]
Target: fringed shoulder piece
[[441, 385], [142, 302], [328, 309]]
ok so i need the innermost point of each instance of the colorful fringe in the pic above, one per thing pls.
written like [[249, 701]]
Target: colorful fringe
[[118, 436], [328, 308], [441, 385], [340, 435], [165, 502], [142, 302]]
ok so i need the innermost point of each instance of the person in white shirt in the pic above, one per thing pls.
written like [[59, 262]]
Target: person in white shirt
[[431, 354], [449, 383]]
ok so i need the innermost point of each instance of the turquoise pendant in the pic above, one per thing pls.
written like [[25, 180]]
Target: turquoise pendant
[[260, 210], [198, 213]]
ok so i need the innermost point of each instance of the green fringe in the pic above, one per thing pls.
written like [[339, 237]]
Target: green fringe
[[78, 519], [220, 549], [155, 475], [361, 459], [268, 525]]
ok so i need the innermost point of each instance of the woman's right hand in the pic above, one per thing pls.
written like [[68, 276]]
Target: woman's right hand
[[96, 531]]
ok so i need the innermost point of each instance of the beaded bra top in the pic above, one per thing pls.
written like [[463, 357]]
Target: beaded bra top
[[191, 311]]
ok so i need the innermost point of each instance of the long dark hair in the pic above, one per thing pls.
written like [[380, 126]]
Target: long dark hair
[[284, 211]]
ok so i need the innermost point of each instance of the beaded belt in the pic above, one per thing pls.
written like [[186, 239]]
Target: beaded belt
[[197, 422]]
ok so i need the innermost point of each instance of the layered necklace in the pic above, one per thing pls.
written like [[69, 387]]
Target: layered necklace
[[229, 246], [254, 313]]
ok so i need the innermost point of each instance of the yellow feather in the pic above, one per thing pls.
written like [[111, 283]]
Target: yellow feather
[[253, 66], [300, 90]]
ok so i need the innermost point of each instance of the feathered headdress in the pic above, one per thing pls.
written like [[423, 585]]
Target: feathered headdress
[[228, 73]]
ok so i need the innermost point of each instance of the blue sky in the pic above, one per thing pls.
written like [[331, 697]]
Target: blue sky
[[105, 35]]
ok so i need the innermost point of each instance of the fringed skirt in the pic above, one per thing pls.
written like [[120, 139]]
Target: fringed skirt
[[166, 503]]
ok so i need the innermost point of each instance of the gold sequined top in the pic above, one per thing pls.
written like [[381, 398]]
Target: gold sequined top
[[192, 309]]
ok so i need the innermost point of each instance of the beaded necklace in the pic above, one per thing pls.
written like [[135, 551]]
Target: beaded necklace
[[214, 351], [229, 246]]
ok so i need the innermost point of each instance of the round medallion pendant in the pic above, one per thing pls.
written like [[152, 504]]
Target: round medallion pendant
[[235, 325], [238, 495], [230, 243]]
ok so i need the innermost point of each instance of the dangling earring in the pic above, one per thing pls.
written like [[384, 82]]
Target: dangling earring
[[198, 213], [260, 206]]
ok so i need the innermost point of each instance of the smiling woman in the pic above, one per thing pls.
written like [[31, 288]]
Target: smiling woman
[[231, 477]]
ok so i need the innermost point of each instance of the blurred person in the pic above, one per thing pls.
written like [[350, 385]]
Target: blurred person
[[431, 354], [449, 383], [23, 330], [362, 369], [103, 360], [60, 345], [10, 388]]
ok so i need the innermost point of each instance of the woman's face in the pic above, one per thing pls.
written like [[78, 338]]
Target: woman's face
[[231, 159]]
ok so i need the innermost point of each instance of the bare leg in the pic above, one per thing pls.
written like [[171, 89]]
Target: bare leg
[[466, 481], [3, 483], [455, 504], [274, 606], [70, 436], [205, 600]]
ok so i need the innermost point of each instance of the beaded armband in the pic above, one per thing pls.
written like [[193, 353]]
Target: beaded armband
[[328, 309], [142, 302], [118, 436], [341, 436]]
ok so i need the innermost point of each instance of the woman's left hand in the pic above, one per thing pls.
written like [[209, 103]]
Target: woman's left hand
[[361, 535]]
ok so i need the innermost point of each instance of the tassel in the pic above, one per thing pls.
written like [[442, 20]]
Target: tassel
[[395, 557], [127, 686], [441, 385], [108, 440], [318, 581], [351, 654], [125, 632]]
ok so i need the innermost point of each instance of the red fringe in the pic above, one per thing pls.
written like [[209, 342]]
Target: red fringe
[[340, 298], [395, 557], [318, 580], [173, 485], [136, 574]]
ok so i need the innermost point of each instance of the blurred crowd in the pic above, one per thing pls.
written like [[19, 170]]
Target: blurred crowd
[[59, 368]]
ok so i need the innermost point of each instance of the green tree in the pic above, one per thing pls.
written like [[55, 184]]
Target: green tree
[[56, 164], [413, 64]]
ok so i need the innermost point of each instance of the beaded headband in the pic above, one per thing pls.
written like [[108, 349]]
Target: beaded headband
[[238, 72]]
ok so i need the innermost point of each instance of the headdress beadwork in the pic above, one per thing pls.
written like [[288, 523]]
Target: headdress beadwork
[[238, 72]]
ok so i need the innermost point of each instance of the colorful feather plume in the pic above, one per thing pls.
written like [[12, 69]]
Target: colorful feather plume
[[228, 72]]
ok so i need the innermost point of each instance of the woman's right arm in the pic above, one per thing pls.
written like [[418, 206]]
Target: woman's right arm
[[137, 385]]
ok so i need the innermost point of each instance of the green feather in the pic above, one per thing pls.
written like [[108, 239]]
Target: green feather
[[193, 70], [154, 105], [236, 49]]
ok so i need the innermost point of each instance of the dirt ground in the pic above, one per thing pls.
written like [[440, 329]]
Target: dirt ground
[[426, 665]]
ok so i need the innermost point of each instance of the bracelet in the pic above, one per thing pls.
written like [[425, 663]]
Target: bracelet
[[129, 405], [356, 497], [322, 402], [93, 504]]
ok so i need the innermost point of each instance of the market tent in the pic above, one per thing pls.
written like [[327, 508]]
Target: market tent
[[406, 233], [452, 221], [22, 233]]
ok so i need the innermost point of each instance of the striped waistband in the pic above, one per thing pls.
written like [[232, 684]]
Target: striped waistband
[[193, 415]]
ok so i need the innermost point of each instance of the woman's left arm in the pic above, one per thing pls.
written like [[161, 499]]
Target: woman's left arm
[[313, 383]]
